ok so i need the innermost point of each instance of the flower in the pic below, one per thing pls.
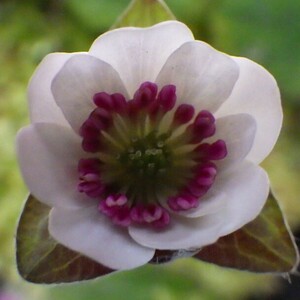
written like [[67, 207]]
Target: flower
[[151, 140]]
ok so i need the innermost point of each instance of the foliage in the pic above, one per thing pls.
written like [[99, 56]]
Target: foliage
[[264, 31]]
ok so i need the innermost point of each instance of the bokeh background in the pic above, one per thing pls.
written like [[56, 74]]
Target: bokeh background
[[267, 31]]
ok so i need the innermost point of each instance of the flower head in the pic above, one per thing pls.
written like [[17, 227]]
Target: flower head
[[151, 140]]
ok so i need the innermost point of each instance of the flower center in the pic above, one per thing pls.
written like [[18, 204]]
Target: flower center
[[146, 160], [149, 156]]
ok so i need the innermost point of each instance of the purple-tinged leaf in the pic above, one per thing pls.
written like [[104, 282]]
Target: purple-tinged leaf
[[265, 245], [41, 259]]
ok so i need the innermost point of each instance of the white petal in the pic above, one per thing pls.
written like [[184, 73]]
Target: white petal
[[203, 76], [246, 191], [247, 188], [256, 93], [76, 83], [182, 233], [138, 54], [238, 132], [48, 156], [94, 235], [211, 203], [41, 102]]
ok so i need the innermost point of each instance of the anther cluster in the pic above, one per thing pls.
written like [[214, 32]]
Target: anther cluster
[[149, 157]]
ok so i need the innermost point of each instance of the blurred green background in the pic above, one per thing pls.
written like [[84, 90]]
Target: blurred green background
[[263, 30]]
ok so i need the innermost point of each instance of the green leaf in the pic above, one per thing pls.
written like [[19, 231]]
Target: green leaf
[[265, 245], [144, 13], [41, 259]]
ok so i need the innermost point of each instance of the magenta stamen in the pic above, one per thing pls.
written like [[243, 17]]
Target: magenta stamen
[[116, 200], [183, 114], [145, 95], [165, 102], [136, 214], [90, 130], [183, 202], [91, 145], [90, 165], [167, 97], [115, 206], [202, 128], [218, 150], [204, 178], [93, 189], [104, 100], [90, 178], [91, 138], [132, 110], [153, 214], [91, 185], [152, 149], [214, 151], [196, 190], [119, 103], [122, 217], [101, 119], [163, 221], [154, 110], [108, 211]]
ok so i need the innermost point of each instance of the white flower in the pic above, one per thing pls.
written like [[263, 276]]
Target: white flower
[[151, 140]]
